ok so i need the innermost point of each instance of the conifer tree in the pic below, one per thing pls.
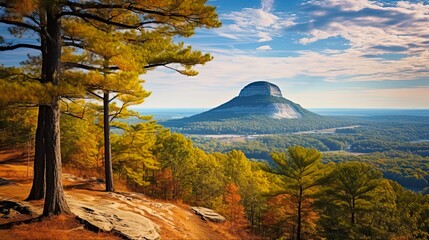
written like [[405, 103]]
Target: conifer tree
[[113, 56], [301, 171], [352, 186], [44, 18]]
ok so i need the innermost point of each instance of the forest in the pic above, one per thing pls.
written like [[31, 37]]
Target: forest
[[67, 104], [302, 192], [391, 144], [256, 124]]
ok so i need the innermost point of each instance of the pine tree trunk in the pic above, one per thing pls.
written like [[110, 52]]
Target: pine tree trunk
[[55, 202], [353, 211], [298, 233], [38, 189], [107, 149]]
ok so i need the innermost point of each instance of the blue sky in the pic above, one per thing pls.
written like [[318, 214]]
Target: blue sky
[[332, 53], [322, 54]]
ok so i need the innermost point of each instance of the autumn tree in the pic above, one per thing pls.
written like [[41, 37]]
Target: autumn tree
[[44, 18], [208, 180], [300, 170], [174, 151], [233, 209], [79, 136]]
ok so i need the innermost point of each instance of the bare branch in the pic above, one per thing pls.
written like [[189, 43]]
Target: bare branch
[[117, 113], [113, 98], [21, 45], [87, 16], [96, 95], [88, 67], [20, 24]]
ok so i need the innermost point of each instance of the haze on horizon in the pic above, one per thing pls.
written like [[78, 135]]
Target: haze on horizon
[[321, 53]]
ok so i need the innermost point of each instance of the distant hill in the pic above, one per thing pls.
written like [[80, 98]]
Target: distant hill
[[259, 108], [256, 99]]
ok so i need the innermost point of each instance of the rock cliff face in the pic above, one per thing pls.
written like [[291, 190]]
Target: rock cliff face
[[257, 98]]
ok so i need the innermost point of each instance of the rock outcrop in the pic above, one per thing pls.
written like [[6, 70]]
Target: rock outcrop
[[208, 214], [101, 215]]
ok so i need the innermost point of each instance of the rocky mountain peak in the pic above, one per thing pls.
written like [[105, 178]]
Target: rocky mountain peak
[[260, 88]]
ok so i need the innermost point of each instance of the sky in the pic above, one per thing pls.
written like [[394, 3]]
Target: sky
[[322, 54]]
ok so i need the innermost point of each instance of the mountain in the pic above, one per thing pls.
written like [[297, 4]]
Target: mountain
[[262, 99], [260, 108]]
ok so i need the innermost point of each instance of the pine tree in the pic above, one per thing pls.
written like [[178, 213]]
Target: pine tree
[[44, 18], [301, 171], [114, 56]]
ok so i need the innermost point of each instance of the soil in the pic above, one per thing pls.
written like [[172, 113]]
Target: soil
[[175, 221]]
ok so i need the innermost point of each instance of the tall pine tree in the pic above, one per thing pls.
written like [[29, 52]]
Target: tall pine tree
[[44, 18]]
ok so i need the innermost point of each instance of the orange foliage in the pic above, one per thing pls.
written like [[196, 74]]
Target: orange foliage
[[165, 184], [56, 227], [233, 210], [281, 216]]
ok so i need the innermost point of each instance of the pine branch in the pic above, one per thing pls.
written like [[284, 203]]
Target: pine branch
[[20, 24], [87, 16], [96, 95], [69, 65]]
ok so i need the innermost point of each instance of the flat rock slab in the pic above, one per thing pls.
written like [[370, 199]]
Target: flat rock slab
[[107, 216], [208, 214], [10, 208]]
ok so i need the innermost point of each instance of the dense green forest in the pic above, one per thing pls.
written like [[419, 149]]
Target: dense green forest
[[256, 124], [392, 144], [302, 192]]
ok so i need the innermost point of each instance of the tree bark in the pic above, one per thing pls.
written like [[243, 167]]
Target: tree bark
[[38, 189], [107, 149], [55, 202], [298, 232], [353, 211]]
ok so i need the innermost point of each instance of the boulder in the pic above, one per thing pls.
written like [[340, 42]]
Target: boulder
[[108, 216], [208, 214]]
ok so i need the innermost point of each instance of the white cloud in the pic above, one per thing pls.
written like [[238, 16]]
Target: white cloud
[[251, 22], [369, 26], [364, 98], [267, 5], [264, 37], [264, 48]]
